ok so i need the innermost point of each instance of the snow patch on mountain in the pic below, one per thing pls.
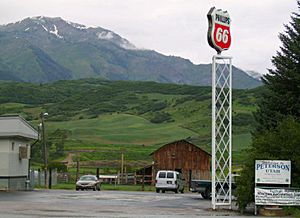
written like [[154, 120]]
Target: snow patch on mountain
[[55, 32], [108, 35], [105, 35], [45, 28], [127, 45], [38, 19], [77, 26]]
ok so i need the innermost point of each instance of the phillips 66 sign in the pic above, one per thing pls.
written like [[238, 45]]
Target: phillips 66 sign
[[218, 29]]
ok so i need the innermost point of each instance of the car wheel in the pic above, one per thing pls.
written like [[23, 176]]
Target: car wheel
[[157, 190], [77, 189], [207, 194], [176, 190]]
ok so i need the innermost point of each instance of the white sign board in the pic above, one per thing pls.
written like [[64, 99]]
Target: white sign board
[[288, 197], [273, 172]]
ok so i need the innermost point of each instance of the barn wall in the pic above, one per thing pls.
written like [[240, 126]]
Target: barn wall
[[185, 156]]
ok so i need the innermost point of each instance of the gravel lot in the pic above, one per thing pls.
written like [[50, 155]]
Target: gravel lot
[[68, 203]]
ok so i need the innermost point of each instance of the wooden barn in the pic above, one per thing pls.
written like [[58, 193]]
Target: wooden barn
[[185, 157]]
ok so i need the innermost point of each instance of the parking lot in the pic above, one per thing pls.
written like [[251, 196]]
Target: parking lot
[[69, 203]]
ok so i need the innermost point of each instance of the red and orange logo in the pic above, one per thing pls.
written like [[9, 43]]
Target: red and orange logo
[[219, 29]]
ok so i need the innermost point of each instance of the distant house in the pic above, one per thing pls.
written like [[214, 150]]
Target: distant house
[[15, 137], [185, 157]]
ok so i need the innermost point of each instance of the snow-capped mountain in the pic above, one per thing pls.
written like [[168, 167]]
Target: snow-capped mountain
[[42, 49], [62, 29]]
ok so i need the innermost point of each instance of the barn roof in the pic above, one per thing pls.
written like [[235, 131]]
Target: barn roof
[[16, 126], [182, 140]]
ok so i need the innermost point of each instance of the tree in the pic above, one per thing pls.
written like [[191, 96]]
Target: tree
[[55, 145], [282, 94], [277, 135], [280, 143]]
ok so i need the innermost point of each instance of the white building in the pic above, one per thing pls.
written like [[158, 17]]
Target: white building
[[16, 135]]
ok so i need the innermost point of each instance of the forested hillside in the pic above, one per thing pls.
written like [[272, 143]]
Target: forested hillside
[[106, 116]]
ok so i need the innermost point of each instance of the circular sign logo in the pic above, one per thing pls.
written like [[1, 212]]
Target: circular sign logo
[[218, 34]]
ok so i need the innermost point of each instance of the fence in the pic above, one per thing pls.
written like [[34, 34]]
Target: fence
[[123, 179], [38, 177], [134, 179]]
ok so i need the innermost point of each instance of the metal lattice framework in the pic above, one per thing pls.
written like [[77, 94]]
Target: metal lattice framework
[[221, 130]]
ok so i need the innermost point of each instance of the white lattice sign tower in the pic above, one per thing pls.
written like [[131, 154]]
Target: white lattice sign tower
[[221, 130], [219, 38]]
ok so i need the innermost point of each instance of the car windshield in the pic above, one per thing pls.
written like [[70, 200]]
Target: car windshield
[[87, 178]]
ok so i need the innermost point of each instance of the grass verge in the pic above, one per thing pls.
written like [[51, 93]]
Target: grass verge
[[70, 186]]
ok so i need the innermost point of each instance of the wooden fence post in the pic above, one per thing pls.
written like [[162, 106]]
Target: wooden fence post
[[97, 173], [118, 177], [134, 178], [126, 176], [143, 180]]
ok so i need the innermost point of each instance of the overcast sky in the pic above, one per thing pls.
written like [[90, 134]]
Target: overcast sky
[[173, 27]]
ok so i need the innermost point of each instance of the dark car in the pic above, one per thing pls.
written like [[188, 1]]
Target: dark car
[[88, 182], [204, 187]]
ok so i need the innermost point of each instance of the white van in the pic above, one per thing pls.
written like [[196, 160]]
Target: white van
[[167, 180]]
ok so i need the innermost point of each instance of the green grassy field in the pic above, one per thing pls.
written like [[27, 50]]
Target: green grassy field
[[104, 138], [121, 129], [99, 119]]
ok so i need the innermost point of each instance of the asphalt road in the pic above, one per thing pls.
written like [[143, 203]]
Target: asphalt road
[[68, 203]]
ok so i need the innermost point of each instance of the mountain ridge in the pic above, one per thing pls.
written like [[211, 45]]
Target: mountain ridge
[[43, 49]]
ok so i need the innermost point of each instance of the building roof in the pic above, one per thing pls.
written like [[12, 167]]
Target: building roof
[[182, 140], [16, 126]]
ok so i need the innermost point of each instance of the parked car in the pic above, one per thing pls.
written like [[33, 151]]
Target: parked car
[[88, 182], [167, 180]]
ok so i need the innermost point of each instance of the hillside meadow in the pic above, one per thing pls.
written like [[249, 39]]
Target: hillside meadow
[[97, 120]]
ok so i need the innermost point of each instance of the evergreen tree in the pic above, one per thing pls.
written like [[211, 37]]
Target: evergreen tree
[[280, 143], [282, 94], [277, 135]]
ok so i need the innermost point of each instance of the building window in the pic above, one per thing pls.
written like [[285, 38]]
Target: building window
[[12, 146]]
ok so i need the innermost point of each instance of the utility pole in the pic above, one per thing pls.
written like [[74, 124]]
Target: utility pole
[[122, 166], [45, 153], [77, 165]]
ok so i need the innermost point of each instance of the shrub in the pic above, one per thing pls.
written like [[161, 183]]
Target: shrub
[[161, 117]]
